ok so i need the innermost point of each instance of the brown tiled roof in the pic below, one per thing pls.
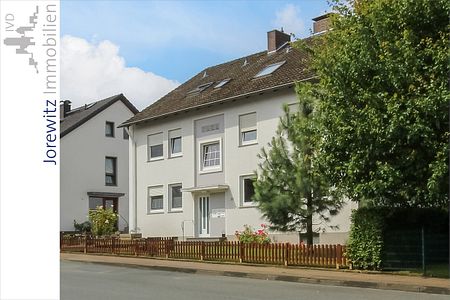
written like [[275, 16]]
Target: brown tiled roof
[[242, 82], [78, 116]]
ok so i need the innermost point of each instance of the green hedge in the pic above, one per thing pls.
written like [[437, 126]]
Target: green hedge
[[365, 244], [373, 229]]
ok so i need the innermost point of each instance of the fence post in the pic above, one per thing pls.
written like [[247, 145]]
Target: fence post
[[422, 234], [338, 256], [135, 247], [202, 245], [85, 244], [113, 242], [241, 252], [166, 248], [286, 253]]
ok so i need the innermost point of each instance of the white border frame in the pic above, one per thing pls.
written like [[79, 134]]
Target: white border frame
[[148, 148], [242, 203], [149, 210], [169, 197], [214, 169], [242, 143], [169, 144]]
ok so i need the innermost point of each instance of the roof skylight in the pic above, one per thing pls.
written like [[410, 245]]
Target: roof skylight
[[201, 88], [222, 83], [269, 69]]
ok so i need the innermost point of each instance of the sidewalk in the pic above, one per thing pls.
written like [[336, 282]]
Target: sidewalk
[[293, 274]]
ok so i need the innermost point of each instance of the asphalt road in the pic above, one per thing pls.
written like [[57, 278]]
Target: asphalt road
[[86, 281]]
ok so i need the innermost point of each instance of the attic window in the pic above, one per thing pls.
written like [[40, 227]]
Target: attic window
[[269, 69], [222, 83], [201, 88]]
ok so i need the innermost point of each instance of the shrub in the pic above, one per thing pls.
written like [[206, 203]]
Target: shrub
[[103, 221], [82, 227], [383, 237], [365, 244], [248, 235]]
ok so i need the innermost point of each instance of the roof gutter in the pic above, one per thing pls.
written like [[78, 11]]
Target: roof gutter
[[216, 102]]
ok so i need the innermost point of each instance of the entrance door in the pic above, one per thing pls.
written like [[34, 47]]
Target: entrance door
[[204, 215]]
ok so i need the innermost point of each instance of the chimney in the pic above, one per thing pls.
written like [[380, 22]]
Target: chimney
[[64, 108], [276, 39], [322, 23]]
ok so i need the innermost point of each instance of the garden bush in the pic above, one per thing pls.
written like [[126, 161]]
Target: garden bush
[[365, 244], [378, 234], [249, 235], [103, 221]]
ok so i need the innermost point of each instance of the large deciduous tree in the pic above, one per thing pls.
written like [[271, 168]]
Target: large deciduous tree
[[289, 190], [384, 101]]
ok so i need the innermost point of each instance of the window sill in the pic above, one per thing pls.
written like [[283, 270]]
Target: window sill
[[155, 159], [156, 212], [109, 136], [249, 205], [175, 211], [113, 185], [248, 144], [208, 171], [176, 155]]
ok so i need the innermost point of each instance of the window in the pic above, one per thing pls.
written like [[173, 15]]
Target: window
[[269, 69], [175, 196], [105, 203], [247, 189], [155, 146], [110, 170], [109, 129], [222, 83], [95, 202], [155, 201], [125, 134], [247, 128], [211, 155], [175, 143], [200, 88]]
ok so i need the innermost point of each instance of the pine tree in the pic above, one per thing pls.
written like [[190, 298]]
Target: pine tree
[[289, 190]]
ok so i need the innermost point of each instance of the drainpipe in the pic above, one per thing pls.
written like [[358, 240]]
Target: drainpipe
[[133, 179]]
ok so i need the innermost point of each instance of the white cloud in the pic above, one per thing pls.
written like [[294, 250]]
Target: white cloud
[[91, 72], [289, 19]]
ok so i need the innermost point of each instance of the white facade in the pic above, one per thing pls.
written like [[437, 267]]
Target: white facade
[[83, 154], [212, 197]]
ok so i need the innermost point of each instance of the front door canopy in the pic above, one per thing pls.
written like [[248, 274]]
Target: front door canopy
[[207, 189], [105, 194]]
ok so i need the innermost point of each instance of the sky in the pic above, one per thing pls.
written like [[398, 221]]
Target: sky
[[144, 49]]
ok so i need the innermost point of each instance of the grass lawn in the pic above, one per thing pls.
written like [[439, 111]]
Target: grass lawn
[[435, 270]]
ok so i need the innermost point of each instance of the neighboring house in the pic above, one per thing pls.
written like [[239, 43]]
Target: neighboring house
[[94, 159], [193, 153]]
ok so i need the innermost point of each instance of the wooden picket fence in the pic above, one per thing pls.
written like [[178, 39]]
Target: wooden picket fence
[[331, 256]]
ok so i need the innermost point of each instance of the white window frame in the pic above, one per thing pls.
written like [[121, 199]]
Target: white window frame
[[149, 203], [149, 152], [169, 138], [201, 144], [263, 72], [176, 209], [242, 189], [248, 129]]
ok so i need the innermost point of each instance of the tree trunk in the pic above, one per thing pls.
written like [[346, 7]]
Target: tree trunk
[[309, 221]]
